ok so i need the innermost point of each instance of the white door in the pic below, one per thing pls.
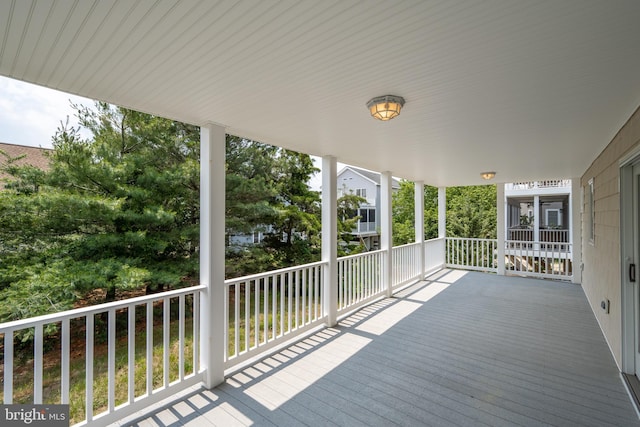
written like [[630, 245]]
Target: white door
[[630, 259], [633, 265]]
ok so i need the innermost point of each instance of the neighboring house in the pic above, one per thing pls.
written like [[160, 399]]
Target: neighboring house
[[34, 156], [351, 180], [539, 211], [538, 229], [240, 240], [366, 184]]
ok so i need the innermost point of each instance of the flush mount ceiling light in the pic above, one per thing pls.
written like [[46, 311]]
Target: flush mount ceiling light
[[385, 107], [488, 175]]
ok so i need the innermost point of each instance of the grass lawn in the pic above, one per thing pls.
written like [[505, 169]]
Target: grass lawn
[[23, 363], [23, 353]]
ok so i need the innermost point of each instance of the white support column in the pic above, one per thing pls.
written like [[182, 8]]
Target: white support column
[[442, 212], [442, 226], [419, 222], [501, 226], [330, 237], [575, 230], [212, 236], [536, 221], [386, 223]]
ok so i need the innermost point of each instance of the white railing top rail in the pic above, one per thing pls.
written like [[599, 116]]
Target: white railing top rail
[[99, 308], [426, 241], [472, 238], [435, 239], [406, 245], [530, 227], [538, 247], [361, 254], [272, 272], [542, 242]]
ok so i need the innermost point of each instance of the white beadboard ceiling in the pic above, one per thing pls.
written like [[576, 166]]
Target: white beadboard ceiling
[[530, 89]]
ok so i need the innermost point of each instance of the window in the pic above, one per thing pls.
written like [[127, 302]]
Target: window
[[553, 218], [367, 215], [591, 212], [362, 192]]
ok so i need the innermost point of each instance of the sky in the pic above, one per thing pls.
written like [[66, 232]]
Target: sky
[[30, 114]]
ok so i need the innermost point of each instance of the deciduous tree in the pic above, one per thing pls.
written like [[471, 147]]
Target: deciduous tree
[[403, 206]]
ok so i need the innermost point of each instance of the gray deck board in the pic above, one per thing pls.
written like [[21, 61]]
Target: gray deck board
[[459, 349]]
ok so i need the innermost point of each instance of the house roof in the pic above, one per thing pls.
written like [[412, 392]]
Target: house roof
[[531, 89], [371, 176], [34, 156]]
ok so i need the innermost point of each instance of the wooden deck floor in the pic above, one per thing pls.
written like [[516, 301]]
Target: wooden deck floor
[[461, 349]]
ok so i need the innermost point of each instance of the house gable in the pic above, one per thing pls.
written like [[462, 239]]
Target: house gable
[[350, 181], [353, 178]]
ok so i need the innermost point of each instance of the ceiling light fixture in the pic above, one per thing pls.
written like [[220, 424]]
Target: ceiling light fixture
[[385, 107], [488, 175]]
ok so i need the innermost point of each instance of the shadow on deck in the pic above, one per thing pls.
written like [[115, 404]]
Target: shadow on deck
[[459, 349]]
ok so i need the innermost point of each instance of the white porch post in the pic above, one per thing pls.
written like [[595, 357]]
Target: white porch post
[[575, 232], [330, 238], [419, 222], [442, 224], [501, 226], [536, 221], [442, 212], [212, 234], [386, 237]]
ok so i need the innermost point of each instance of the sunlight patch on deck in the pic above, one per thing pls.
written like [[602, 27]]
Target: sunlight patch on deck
[[287, 382], [385, 319], [452, 276], [428, 292], [434, 277]]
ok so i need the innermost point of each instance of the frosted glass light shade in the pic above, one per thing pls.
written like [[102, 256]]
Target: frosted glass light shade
[[488, 175], [385, 107]]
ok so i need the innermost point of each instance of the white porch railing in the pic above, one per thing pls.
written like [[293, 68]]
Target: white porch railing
[[359, 279], [406, 264], [365, 227], [553, 236], [122, 323], [266, 309], [522, 234], [549, 183], [434, 255], [546, 235], [261, 312], [539, 259], [472, 254], [536, 259]]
